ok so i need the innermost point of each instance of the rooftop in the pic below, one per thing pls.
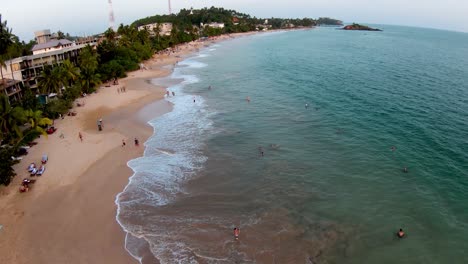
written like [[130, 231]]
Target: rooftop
[[51, 44], [47, 54]]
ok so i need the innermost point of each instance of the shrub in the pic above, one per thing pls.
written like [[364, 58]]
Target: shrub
[[6, 162]]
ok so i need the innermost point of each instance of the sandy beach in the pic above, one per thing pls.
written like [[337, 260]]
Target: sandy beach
[[68, 215]]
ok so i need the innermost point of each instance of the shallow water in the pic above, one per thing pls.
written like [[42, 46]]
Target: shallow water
[[328, 189]]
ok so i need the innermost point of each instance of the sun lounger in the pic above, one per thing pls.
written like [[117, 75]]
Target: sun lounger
[[31, 167], [44, 159], [33, 172], [40, 171]]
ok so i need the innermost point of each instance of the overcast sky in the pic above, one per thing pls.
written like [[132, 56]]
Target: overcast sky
[[86, 17]]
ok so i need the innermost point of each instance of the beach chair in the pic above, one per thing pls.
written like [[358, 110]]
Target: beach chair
[[40, 171], [44, 159], [31, 167], [33, 172]]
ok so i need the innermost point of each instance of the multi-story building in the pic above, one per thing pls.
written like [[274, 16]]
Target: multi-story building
[[26, 70], [11, 88]]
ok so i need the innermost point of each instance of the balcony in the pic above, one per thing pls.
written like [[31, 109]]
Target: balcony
[[12, 90]]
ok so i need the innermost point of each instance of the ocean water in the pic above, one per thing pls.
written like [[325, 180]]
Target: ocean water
[[329, 188]]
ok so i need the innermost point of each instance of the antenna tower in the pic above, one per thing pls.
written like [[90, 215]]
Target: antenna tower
[[111, 15], [170, 11]]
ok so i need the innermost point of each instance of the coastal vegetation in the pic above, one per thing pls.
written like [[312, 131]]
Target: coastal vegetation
[[328, 21], [355, 26]]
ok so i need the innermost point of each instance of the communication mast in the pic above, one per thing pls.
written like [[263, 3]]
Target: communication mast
[[111, 15], [170, 11]]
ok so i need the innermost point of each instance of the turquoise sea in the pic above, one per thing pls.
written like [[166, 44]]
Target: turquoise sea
[[329, 187]]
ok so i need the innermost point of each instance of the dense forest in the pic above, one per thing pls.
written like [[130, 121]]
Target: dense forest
[[328, 21]]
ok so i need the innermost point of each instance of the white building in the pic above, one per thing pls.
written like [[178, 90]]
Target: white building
[[164, 28], [48, 51], [52, 45], [213, 25]]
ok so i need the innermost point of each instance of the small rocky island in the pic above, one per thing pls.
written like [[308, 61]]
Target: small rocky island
[[355, 26]]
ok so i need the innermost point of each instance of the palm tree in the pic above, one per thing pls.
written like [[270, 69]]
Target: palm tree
[[89, 80], [69, 72], [110, 34], [37, 122], [50, 79], [88, 66], [88, 59], [10, 117], [6, 39], [5, 36]]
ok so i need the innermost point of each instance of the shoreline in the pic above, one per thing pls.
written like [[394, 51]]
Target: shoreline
[[71, 209]]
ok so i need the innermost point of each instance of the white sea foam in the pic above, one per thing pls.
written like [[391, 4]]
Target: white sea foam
[[172, 156], [192, 63]]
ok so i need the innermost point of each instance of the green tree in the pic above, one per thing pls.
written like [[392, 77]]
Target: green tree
[[69, 72], [50, 79], [6, 165], [88, 61], [5, 36], [10, 118], [37, 121], [89, 80], [29, 100], [5, 43], [60, 35], [110, 34]]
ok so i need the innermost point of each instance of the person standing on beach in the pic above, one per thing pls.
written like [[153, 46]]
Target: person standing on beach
[[236, 233], [173, 94], [80, 136], [123, 143], [136, 142]]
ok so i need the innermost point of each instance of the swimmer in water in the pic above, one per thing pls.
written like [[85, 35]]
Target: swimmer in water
[[393, 148], [405, 170], [236, 233], [306, 106], [400, 233], [260, 150], [247, 99]]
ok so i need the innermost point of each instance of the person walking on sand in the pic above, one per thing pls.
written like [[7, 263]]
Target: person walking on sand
[[136, 142], [236, 233], [123, 143], [80, 136]]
